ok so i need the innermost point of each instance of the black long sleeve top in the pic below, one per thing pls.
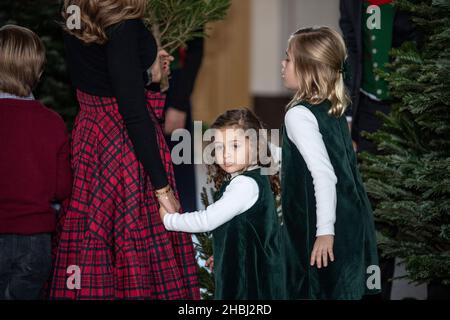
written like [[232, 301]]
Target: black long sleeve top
[[119, 69]]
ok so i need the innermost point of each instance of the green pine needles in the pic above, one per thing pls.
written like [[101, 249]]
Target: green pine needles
[[410, 180], [174, 22]]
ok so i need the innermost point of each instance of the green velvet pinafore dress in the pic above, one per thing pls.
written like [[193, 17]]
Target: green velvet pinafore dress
[[247, 250], [355, 249]]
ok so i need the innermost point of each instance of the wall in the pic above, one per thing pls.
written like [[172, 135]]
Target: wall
[[272, 23], [242, 64], [224, 78]]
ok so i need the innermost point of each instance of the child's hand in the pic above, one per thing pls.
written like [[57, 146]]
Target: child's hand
[[210, 263], [323, 247], [162, 212]]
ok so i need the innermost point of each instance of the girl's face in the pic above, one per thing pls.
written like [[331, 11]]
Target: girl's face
[[232, 150], [288, 72]]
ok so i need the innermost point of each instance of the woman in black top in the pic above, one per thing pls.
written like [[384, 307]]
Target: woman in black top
[[111, 229]]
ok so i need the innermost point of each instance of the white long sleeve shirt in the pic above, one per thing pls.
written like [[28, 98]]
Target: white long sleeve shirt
[[239, 196], [303, 130]]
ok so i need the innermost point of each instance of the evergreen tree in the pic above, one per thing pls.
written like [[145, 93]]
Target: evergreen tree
[[410, 180], [204, 248], [174, 22]]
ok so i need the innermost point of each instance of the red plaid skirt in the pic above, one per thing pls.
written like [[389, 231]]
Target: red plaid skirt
[[111, 229]]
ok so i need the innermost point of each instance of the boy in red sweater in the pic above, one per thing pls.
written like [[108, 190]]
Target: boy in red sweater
[[34, 167]]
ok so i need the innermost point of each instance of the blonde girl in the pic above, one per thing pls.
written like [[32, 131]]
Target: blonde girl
[[331, 245]]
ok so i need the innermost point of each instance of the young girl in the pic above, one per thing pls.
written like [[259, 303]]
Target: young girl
[[331, 249], [244, 221]]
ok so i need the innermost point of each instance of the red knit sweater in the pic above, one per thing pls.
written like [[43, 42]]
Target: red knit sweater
[[34, 166]]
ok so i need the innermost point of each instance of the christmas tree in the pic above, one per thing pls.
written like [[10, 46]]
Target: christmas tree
[[410, 179], [204, 248], [174, 22]]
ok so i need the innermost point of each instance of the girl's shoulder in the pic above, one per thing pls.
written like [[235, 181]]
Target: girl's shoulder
[[307, 112], [244, 179], [238, 186], [259, 178], [247, 180], [241, 181], [299, 114], [324, 105]]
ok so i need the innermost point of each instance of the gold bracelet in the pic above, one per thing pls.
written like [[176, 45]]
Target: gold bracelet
[[164, 193], [164, 190], [159, 195], [165, 197]]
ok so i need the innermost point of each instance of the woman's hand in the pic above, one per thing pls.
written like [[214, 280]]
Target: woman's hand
[[323, 248], [210, 263], [161, 66], [167, 200]]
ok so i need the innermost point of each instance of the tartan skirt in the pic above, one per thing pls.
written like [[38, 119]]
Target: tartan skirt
[[111, 242]]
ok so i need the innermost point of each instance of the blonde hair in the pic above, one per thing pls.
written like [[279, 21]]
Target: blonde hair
[[318, 55], [22, 60], [97, 15]]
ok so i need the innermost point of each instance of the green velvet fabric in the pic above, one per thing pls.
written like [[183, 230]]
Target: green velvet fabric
[[248, 250], [354, 243], [376, 46]]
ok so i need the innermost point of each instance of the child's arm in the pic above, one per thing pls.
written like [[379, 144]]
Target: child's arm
[[239, 196], [302, 128]]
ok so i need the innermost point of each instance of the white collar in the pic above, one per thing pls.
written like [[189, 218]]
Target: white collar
[[5, 95]]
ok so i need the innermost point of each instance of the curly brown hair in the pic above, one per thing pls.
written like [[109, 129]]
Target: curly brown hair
[[241, 119], [97, 15]]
